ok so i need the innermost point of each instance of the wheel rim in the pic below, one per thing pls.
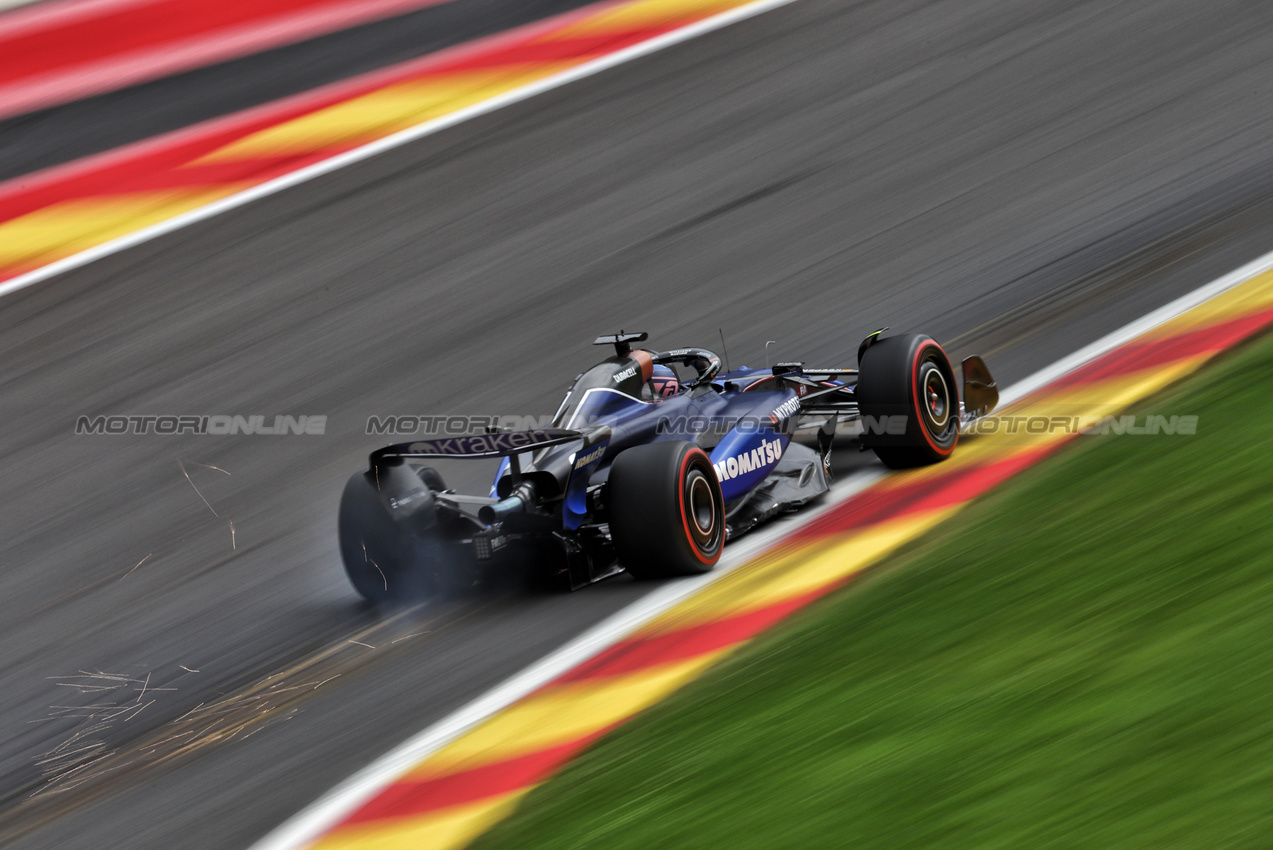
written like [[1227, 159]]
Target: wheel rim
[[934, 397], [702, 509]]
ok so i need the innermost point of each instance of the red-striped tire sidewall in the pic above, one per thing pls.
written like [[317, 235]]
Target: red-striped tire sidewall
[[917, 395], [698, 457]]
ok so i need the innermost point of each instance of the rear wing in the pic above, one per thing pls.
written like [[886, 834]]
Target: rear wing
[[478, 445]]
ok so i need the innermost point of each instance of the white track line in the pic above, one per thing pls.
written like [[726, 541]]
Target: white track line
[[1133, 329], [396, 140], [331, 808], [328, 810]]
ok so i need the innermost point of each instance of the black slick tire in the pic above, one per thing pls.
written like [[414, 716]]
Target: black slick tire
[[908, 376], [667, 514]]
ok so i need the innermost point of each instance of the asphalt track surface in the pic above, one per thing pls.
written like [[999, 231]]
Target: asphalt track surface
[[62, 133], [1016, 179]]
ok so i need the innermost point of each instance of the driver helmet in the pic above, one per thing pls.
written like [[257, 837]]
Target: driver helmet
[[665, 382]]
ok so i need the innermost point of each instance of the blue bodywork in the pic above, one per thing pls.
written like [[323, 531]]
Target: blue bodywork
[[743, 418]]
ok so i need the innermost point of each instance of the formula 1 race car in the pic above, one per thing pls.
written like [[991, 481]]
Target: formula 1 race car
[[648, 469]]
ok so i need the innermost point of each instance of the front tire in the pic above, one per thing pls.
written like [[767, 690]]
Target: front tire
[[908, 376], [667, 514]]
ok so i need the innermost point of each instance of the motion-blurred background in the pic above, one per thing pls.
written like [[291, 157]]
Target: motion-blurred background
[[1015, 179]]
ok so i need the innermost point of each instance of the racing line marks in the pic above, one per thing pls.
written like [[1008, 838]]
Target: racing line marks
[[451, 782], [69, 216]]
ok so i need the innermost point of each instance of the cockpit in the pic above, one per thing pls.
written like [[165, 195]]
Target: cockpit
[[609, 389], [626, 384]]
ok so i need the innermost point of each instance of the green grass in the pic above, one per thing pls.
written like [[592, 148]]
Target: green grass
[[1083, 659]]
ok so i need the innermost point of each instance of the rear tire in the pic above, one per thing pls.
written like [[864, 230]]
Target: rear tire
[[388, 561], [667, 514], [911, 376], [375, 552]]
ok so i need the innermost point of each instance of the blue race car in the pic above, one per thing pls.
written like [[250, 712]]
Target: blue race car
[[653, 461]]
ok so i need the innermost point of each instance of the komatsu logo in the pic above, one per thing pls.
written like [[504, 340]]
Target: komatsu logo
[[595, 454], [625, 374], [768, 452]]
